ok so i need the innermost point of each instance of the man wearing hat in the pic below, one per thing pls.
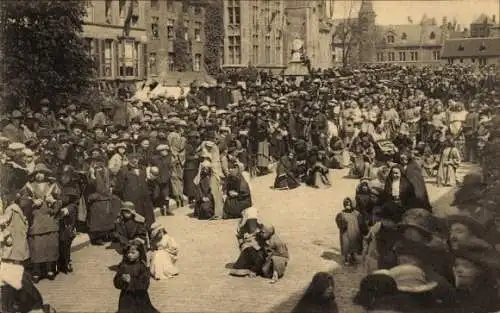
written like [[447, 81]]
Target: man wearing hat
[[163, 162], [14, 130], [131, 185], [176, 142]]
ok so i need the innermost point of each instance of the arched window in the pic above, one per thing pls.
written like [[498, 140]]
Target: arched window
[[390, 39], [404, 36], [433, 35]]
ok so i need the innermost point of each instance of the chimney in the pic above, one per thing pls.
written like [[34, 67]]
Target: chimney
[[494, 19]]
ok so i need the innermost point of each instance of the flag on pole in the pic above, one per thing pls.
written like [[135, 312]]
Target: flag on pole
[[410, 20]]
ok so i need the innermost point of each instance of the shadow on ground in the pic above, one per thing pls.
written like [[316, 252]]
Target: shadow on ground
[[347, 279]]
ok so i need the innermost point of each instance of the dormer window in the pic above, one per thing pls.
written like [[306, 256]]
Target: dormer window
[[482, 47], [433, 35], [461, 48], [390, 39], [404, 36]]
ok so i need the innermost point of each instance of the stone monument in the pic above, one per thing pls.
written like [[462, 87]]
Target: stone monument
[[296, 67]]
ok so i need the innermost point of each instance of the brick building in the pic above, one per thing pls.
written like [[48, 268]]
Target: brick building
[[164, 17], [121, 60]]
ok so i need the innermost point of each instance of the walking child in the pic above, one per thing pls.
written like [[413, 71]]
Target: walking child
[[132, 278]]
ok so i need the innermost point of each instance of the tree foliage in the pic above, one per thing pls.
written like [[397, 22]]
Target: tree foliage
[[183, 61], [214, 33], [43, 52]]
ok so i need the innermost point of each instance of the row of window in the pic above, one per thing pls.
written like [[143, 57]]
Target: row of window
[[234, 51], [413, 56], [404, 36], [155, 4], [480, 61], [155, 29], [153, 63], [117, 58]]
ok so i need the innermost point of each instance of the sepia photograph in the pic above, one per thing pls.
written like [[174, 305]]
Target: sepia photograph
[[253, 156]]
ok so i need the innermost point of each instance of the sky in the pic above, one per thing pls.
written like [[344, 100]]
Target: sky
[[397, 11]]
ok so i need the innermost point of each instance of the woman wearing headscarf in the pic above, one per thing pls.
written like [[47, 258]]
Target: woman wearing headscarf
[[209, 150], [238, 192]]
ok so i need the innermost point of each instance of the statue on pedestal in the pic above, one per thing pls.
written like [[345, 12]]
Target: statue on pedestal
[[297, 50]]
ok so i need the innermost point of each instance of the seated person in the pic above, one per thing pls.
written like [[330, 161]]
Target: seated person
[[276, 252], [238, 192], [252, 257], [130, 226], [285, 173], [204, 204], [317, 171]]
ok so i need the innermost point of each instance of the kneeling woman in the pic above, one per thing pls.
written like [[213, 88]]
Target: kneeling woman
[[286, 173], [238, 192], [252, 256]]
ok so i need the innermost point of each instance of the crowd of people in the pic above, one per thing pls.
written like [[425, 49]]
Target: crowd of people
[[105, 169]]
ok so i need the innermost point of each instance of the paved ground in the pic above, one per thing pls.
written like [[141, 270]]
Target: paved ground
[[304, 218]]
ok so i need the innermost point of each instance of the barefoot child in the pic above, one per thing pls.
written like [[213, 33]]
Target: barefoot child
[[351, 227], [164, 256], [132, 278]]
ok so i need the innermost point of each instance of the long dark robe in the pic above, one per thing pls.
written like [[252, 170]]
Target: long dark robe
[[134, 297], [132, 187], [233, 206], [285, 174], [103, 207], [204, 209], [413, 173]]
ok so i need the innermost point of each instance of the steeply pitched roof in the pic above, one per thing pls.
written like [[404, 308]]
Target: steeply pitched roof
[[471, 47], [483, 18], [415, 33]]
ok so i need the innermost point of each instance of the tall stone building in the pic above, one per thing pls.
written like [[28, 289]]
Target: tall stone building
[[164, 18], [262, 33], [121, 59], [310, 21], [367, 32], [254, 34]]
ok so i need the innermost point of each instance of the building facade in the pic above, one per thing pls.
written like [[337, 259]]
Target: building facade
[[119, 58], [254, 33], [164, 18], [311, 22], [419, 44], [472, 51], [261, 33]]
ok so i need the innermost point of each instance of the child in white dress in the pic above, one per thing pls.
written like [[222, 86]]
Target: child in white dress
[[165, 252]]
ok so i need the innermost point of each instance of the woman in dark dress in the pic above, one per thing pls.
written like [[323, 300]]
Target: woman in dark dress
[[286, 173], [132, 278], [238, 193]]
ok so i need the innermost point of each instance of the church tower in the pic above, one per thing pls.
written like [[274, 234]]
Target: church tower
[[367, 35]]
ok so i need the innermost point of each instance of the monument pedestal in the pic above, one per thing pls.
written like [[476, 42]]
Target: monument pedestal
[[297, 69]]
